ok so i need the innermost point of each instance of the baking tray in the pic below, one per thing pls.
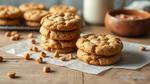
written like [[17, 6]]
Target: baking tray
[[18, 28]]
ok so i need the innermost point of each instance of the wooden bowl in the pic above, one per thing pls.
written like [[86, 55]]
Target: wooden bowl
[[128, 27]]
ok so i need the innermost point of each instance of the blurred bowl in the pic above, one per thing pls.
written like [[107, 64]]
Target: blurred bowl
[[128, 22]]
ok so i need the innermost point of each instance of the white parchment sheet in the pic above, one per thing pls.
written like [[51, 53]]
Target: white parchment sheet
[[132, 57]]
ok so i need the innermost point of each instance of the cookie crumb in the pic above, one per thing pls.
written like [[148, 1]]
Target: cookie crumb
[[8, 34], [142, 48], [1, 58], [56, 54], [27, 56], [46, 69], [33, 41], [11, 75], [30, 35], [43, 54], [39, 60]]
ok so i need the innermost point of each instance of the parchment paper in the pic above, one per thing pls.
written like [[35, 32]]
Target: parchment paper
[[132, 57]]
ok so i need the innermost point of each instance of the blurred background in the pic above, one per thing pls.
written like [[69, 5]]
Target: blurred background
[[48, 3]]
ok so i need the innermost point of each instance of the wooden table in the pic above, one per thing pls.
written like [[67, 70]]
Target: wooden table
[[30, 72]]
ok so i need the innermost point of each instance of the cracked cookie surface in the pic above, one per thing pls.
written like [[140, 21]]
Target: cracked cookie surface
[[106, 45], [61, 21]]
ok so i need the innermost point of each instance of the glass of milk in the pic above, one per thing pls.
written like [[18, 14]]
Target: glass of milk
[[94, 10]]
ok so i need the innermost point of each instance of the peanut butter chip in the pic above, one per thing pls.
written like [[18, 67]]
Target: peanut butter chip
[[56, 54], [39, 60], [27, 56], [1, 58], [33, 41], [42, 54], [142, 48], [11, 75], [8, 34], [34, 49], [46, 69], [30, 35], [13, 33]]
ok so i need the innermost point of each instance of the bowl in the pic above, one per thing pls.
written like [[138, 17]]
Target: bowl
[[128, 23]]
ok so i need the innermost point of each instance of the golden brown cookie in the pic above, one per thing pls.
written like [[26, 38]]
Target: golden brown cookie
[[61, 21], [33, 23], [9, 22], [10, 12], [58, 44], [100, 44], [97, 60], [31, 6], [34, 15], [62, 9], [63, 50], [58, 35]]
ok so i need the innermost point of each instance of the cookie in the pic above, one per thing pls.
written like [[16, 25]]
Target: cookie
[[31, 6], [9, 22], [100, 44], [58, 44], [9, 12], [61, 21], [62, 50], [33, 24], [58, 35], [62, 9], [97, 60], [34, 15]]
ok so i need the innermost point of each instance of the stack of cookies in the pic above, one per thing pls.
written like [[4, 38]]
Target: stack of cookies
[[33, 12], [60, 32], [62, 9], [99, 49], [9, 15]]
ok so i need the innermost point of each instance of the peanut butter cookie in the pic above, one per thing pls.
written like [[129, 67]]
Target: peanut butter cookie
[[100, 44], [33, 23], [34, 15], [61, 21], [62, 9], [61, 50], [9, 22], [58, 44], [9, 12], [97, 60], [58, 35], [31, 6]]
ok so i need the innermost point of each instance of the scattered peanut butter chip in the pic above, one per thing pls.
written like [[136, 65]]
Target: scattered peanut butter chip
[[13, 33], [43, 54], [34, 49], [13, 38], [30, 35], [39, 60], [46, 69], [8, 34], [56, 54], [142, 48], [1, 58], [11, 75], [33, 41], [27, 56]]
